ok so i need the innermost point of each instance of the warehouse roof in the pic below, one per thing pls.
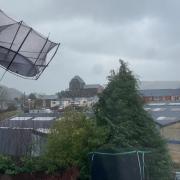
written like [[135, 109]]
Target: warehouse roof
[[159, 85], [160, 92], [164, 114]]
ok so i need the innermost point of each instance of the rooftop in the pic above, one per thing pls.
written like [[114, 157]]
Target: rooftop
[[48, 97], [143, 85], [96, 86], [79, 79], [164, 113], [160, 92], [31, 120]]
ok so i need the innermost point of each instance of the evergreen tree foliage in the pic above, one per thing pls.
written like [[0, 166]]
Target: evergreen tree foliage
[[120, 108]]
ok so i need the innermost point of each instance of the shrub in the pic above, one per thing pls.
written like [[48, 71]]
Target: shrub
[[71, 139]]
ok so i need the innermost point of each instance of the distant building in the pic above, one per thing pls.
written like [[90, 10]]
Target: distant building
[[80, 94], [78, 101], [40, 111], [170, 132], [159, 95], [160, 91], [143, 85], [78, 88], [49, 101], [167, 119]]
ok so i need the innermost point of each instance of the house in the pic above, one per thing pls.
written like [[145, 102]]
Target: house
[[43, 110], [167, 119], [78, 102], [49, 101], [65, 102], [171, 132]]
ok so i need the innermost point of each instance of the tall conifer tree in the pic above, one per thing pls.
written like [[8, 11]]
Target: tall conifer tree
[[120, 108]]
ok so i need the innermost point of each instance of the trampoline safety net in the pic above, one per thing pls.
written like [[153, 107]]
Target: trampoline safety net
[[23, 51], [118, 166]]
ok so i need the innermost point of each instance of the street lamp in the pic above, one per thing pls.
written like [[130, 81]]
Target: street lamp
[[29, 104]]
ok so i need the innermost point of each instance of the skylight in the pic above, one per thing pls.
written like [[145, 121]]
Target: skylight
[[157, 104], [43, 118], [20, 118], [43, 130], [158, 109], [166, 118], [147, 109]]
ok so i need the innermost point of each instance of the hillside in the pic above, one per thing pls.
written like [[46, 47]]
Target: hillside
[[11, 92]]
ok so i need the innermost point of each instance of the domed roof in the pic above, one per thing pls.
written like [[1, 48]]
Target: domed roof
[[78, 78]]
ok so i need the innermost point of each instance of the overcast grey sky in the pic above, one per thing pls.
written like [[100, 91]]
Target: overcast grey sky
[[94, 34]]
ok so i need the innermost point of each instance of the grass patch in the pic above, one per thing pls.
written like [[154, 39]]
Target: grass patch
[[7, 114]]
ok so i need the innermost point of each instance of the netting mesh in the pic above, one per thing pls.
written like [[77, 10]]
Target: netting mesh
[[118, 166], [23, 51]]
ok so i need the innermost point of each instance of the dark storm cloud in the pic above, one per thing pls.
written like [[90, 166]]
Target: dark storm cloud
[[102, 10], [95, 34], [139, 29]]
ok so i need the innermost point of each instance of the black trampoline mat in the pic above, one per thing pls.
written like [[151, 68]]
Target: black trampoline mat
[[20, 65], [123, 167]]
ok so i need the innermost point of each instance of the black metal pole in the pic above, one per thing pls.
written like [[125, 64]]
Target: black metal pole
[[39, 55], [49, 61], [16, 53], [41, 51], [19, 48], [20, 23]]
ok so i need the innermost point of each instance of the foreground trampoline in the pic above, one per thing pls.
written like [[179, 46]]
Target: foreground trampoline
[[118, 166], [24, 51]]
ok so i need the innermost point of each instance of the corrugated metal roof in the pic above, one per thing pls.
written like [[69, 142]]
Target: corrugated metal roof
[[48, 97], [159, 85], [34, 121], [43, 118], [169, 115], [95, 86], [78, 78], [166, 122], [17, 118], [160, 92]]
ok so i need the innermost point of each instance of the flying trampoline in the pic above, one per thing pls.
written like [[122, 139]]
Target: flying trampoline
[[23, 51]]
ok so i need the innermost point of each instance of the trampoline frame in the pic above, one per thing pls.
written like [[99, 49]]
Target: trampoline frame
[[34, 64]]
